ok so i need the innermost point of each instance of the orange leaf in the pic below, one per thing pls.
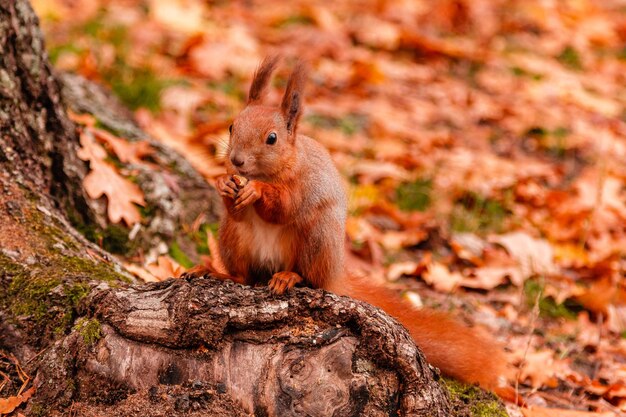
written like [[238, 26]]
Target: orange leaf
[[105, 180], [165, 268], [7, 405], [560, 412], [439, 276], [127, 152], [82, 119]]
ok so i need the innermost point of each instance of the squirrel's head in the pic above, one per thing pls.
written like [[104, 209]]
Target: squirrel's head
[[263, 138]]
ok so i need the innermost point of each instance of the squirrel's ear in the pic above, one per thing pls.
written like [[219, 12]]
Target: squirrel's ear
[[262, 78], [291, 105]]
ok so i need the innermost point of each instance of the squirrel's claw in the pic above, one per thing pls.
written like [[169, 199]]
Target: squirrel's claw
[[247, 195], [282, 281], [226, 186]]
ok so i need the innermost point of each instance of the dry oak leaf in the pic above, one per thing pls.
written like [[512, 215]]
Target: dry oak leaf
[[140, 272], [542, 369], [7, 405], [127, 152], [399, 269], [165, 268], [534, 256], [103, 179], [439, 276], [489, 277], [561, 412]]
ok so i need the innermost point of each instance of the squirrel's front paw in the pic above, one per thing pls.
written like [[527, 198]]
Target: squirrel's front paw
[[226, 186], [282, 281], [247, 195]]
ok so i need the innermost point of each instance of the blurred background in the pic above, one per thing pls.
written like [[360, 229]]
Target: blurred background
[[484, 144]]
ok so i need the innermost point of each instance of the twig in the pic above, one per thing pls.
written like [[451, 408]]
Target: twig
[[533, 318]]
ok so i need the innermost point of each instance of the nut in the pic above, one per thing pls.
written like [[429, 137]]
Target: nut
[[240, 181]]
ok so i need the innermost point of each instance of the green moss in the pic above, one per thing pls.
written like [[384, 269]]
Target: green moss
[[348, 124], [548, 307], [137, 87], [230, 86], [113, 239], [414, 195], [200, 237], [28, 295], [570, 58], [179, 256], [470, 397], [520, 72], [293, 21], [476, 213], [554, 142], [47, 295], [55, 52], [38, 410], [89, 329]]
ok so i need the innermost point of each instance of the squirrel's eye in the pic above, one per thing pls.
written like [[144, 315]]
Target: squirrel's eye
[[271, 138], [230, 129]]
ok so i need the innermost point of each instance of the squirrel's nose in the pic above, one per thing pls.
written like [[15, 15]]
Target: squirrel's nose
[[237, 160]]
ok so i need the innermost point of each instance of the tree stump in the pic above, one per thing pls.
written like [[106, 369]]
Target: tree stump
[[308, 352]]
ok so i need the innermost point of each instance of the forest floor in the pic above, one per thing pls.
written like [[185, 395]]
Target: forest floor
[[483, 143]]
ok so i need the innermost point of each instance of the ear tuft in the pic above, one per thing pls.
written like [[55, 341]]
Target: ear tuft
[[291, 105], [262, 77]]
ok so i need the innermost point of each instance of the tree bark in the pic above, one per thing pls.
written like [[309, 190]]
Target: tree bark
[[101, 344]]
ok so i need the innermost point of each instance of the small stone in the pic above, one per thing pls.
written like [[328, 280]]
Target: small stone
[[182, 403]]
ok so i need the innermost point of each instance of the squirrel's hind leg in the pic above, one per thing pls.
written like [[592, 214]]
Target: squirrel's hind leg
[[282, 281]]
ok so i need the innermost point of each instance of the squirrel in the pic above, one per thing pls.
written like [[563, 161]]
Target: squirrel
[[284, 225]]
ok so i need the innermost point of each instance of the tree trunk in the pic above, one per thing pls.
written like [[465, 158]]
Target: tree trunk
[[101, 344]]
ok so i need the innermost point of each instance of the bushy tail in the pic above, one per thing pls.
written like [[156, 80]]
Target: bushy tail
[[458, 351]]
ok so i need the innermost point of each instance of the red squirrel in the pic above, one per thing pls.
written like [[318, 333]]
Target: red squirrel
[[284, 225]]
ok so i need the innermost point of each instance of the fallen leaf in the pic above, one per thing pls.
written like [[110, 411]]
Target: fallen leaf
[[542, 369], [399, 269], [84, 119], [468, 246], [534, 256], [489, 277], [126, 152], [7, 405], [103, 179], [439, 276], [165, 268], [561, 412], [140, 272]]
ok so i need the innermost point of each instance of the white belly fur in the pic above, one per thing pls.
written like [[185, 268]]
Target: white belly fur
[[265, 244]]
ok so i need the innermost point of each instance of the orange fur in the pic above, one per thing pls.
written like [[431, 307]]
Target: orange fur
[[287, 225]]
